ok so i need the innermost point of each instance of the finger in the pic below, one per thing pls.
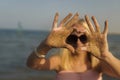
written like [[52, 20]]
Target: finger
[[89, 24], [96, 24], [72, 21], [88, 35], [66, 18], [55, 22], [69, 47], [106, 28]]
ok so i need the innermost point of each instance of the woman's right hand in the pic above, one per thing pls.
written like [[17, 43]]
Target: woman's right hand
[[59, 33]]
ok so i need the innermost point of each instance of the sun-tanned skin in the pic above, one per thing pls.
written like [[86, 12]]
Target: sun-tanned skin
[[96, 44]]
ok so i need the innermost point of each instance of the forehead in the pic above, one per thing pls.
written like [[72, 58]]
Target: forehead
[[81, 24], [78, 25]]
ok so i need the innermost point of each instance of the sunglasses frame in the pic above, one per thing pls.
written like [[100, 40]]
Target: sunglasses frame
[[73, 39]]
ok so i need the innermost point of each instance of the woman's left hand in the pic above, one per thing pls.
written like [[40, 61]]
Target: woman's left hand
[[97, 40]]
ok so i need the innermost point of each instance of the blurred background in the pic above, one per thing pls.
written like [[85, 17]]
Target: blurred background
[[25, 23]]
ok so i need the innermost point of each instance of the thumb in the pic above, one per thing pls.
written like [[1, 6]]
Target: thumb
[[69, 47], [88, 48]]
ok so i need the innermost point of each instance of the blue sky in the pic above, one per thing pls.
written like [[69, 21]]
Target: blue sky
[[39, 14]]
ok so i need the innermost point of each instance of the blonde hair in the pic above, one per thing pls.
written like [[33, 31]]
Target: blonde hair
[[66, 56], [66, 59]]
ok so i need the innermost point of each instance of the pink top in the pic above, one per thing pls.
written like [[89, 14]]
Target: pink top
[[70, 75]]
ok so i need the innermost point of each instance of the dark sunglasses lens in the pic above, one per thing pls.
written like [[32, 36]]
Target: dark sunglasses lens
[[83, 38], [72, 39]]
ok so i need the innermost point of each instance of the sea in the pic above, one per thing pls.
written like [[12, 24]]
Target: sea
[[16, 46]]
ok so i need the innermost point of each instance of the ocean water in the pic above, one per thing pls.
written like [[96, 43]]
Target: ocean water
[[15, 46]]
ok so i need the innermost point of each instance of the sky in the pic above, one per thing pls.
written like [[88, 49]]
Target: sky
[[39, 14]]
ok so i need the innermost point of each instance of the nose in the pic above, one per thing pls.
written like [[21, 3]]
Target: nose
[[79, 43]]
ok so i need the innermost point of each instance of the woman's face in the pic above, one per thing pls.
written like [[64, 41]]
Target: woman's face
[[77, 38]]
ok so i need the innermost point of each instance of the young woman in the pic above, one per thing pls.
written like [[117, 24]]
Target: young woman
[[84, 53]]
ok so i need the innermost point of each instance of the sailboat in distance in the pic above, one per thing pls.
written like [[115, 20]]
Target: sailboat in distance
[[20, 33], [20, 29]]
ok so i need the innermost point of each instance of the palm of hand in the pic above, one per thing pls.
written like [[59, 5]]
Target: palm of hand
[[57, 37], [98, 44], [58, 34]]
